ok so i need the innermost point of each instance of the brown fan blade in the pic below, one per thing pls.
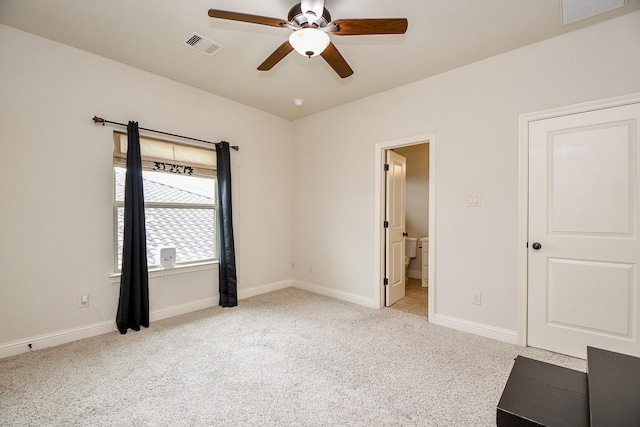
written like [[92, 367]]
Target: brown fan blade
[[337, 62], [284, 49], [358, 27], [244, 17]]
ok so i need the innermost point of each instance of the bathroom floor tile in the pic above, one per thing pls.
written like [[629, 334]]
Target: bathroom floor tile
[[415, 300]]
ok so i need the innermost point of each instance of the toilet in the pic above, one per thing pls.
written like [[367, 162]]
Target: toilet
[[410, 251]]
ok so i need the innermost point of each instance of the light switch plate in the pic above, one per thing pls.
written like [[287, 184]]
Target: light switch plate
[[473, 200]]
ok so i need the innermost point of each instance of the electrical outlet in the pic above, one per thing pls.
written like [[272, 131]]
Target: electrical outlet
[[83, 301], [293, 265], [310, 268], [477, 299]]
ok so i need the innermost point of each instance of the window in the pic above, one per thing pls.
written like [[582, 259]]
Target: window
[[180, 200]]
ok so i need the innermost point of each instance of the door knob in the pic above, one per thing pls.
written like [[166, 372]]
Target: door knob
[[536, 246], [405, 234]]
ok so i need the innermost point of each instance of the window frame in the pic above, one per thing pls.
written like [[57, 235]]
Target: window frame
[[210, 174]]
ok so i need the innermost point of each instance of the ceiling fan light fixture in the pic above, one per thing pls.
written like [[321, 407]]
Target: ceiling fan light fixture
[[309, 42], [311, 24]]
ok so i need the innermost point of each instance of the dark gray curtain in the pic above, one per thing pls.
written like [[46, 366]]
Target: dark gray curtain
[[133, 307], [227, 270]]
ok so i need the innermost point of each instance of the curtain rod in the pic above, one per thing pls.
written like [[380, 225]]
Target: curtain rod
[[97, 119]]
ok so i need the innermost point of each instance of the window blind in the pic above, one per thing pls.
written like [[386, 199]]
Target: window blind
[[167, 156]]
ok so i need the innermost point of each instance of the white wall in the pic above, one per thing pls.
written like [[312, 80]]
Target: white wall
[[474, 113], [56, 188]]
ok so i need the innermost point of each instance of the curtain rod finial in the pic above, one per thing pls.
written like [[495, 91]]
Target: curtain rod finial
[[97, 119], [233, 147]]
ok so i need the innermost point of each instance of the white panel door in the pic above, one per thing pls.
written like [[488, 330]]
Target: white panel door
[[584, 249], [396, 183]]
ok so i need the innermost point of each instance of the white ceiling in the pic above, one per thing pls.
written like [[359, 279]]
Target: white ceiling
[[150, 35]]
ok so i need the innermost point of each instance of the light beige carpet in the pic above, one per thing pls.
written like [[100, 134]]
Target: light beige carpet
[[287, 358]]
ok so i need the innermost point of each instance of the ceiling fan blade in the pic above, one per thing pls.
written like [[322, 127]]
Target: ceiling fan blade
[[244, 17], [337, 62], [358, 27], [284, 49]]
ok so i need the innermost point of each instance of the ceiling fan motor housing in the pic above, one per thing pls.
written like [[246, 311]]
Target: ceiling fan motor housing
[[299, 18]]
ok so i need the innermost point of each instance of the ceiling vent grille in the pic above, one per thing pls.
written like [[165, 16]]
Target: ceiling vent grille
[[575, 10], [203, 45]]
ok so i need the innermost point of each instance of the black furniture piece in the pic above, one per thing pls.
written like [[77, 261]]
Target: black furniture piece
[[542, 394], [614, 388]]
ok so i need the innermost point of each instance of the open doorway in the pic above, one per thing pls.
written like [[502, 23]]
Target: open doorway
[[420, 225], [416, 210]]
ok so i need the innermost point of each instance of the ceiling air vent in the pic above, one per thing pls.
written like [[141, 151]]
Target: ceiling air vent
[[575, 10], [203, 45]]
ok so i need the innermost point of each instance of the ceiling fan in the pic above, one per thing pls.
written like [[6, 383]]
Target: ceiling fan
[[311, 24]]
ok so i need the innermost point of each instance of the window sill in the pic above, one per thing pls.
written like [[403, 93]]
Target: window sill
[[178, 269]]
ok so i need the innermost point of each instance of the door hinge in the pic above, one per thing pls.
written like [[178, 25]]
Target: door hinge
[[386, 167], [385, 224], [386, 281]]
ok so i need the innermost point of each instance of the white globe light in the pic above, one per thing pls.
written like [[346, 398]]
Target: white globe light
[[309, 41]]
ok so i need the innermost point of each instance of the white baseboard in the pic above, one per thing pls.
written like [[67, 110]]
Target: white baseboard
[[344, 296], [414, 274], [74, 334], [56, 338], [242, 294], [483, 330], [177, 310]]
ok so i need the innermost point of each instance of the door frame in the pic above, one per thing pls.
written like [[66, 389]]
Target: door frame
[[379, 209], [523, 190]]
